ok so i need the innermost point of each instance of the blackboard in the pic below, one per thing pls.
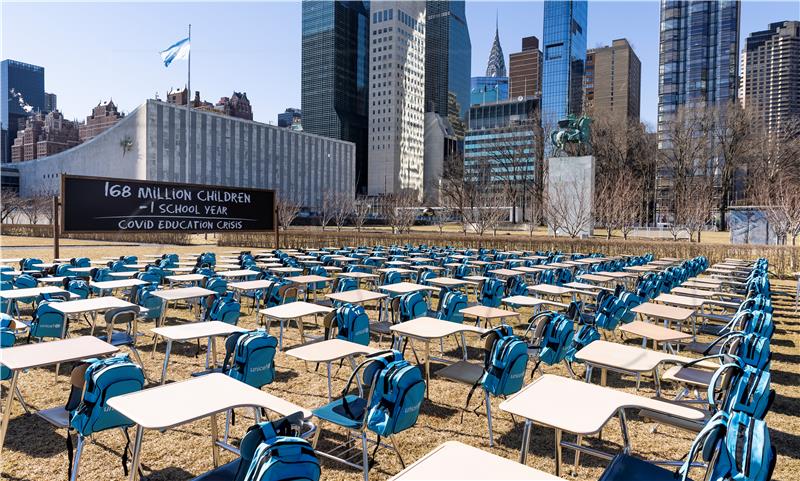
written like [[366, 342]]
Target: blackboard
[[99, 204]]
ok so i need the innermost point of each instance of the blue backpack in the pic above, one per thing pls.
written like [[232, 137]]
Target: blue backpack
[[741, 445], [48, 322], [251, 356], [556, 339], [225, 308], [412, 306], [397, 395], [217, 284], [504, 364], [78, 287], [7, 339], [352, 323], [750, 393], [103, 380], [492, 292], [452, 304], [271, 451], [586, 335], [515, 286], [146, 299]]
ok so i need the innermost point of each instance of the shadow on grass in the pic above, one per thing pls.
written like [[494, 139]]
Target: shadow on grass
[[23, 430]]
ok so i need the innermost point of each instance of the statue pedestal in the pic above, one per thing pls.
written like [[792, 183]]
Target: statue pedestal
[[570, 195]]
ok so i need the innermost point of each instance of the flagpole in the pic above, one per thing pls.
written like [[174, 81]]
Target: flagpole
[[188, 100]]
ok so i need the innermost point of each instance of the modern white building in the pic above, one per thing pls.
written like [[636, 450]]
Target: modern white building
[[396, 97], [150, 144]]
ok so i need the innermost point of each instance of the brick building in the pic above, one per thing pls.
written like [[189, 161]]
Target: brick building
[[103, 117], [43, 135], [525, 70], [237, 105]]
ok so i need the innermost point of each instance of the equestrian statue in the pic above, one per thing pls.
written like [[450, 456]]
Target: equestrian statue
[[571, 130]]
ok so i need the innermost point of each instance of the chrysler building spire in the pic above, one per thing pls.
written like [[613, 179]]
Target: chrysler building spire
[[497, 63]]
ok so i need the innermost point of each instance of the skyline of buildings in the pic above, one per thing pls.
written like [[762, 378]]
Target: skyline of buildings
[[770, 73], [21, 96], [448, 58]]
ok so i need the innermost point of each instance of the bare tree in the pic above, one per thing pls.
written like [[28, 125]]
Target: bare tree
[[440, 216], [33, 208], [327, 209], [342, 205], [629, 212], [733, 136], [605, 205], [287, 211], [455, 190], [361, 208], [10, 205], [697, 211], [407, 209], [781, 206]]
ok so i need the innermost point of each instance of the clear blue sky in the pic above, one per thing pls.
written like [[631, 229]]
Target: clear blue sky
[[93, 51]]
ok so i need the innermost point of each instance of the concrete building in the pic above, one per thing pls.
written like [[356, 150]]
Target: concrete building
[[525, 70], [335, 75], [613, 80], [448, 58], [150, 143], [21, 95], [396, 97], [43, 135], [50, 102], [770, 73], [289, 117], [564, 39], [102, 118]]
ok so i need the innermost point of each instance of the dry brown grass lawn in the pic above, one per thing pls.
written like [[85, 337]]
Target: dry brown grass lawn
[[35, 451]]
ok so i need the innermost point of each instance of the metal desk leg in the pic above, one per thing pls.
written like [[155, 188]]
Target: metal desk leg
[[330, 390], [214, 436], [166, 361], [623, 424], [427, 368], [526, 441], [7, 408], [137, 451], [558, 453]]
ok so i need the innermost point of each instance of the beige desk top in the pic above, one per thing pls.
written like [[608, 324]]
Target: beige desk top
[[595, 278], [660, 311], [454, 461], [28, 356], [171, 405], [285, 270], [186, 278], [329, 350], [550, 289], [10, 260], [356, 296], [89, 305], [405, 287], [561, 265], [122, 283], [309, 279], [359, 275], [184, 270], [448, 282], [505, 272], [652, 331], [688, 291], [250, 285], [526, 269], [681, 301], [396, 269], [238, 273], [529, 301], [124, 274], [30, 292], [616, 275], [639, 269], [51, 280], [488, 312], [196, 330], [629, 358], [81, 270], [182, 293], [579, 407], [586, 287], [294, 310], [427, 328], [702, 284]]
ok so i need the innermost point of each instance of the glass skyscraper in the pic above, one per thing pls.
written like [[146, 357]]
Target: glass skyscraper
[[564, 42], [448, 56], [698, 58], [335, 75], [22, 95]]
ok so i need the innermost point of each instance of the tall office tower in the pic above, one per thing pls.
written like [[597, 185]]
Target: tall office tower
[[698, 61], [612, 81], [698, 55], [564, 39], [396, 96], [448, 57], [525, 70], [770, 73], [22, 95], [335, 75], [50, 102], [497, 62]]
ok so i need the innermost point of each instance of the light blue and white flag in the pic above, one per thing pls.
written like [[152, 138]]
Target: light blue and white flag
[[178, 51]]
